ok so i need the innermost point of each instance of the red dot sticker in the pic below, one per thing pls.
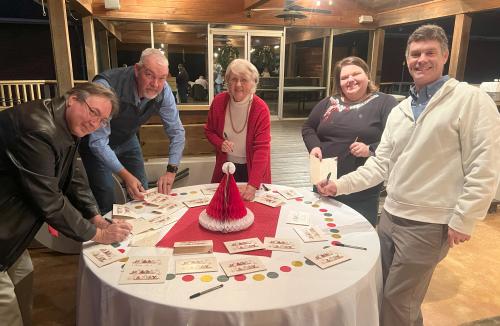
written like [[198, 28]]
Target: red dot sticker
[[121, 250], [322, 210], [332, 225], [173, 194], [298, 199], [285, 269], [240, 277], [335, 242], [188, 278]]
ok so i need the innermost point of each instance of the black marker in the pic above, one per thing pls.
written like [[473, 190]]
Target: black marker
[[206, 291]]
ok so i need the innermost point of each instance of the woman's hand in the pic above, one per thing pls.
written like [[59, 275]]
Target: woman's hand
[[359, 149], [249, 193], [227, 146], [316, 151]]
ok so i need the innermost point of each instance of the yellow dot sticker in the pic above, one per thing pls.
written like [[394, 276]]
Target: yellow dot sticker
[[336, 236], [206, 278], [259, 277], [297, 263]]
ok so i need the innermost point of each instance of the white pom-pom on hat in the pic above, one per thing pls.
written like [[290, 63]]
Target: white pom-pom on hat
[[228, 167]]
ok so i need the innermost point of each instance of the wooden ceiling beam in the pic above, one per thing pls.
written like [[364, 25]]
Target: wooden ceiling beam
[[84, 7], [433, 9], [111, 28], [252, 4]]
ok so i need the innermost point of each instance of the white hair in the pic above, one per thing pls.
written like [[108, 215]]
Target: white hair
[[153, 52]]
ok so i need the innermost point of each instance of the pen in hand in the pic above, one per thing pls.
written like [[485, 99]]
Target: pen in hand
[[328, 177], [226, 138], [206, 291]]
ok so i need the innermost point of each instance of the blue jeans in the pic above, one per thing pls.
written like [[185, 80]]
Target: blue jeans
[[100, 177]]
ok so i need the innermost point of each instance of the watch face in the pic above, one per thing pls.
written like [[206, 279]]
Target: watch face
[[172, 168]]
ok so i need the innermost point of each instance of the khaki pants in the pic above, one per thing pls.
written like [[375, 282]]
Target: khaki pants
[[410, 252], [15, 292]]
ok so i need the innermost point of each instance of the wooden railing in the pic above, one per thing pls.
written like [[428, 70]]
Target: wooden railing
[[14, 92]]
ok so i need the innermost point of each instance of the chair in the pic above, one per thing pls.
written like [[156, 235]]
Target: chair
[[199, 93]]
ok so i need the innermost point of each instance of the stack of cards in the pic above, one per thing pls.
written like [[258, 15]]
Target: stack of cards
[[140, 225], [146, 239], [123, 212], [310, 234], [197, 202], [242, 266], [196, 265], [147, 269], [243, 245], [160, 220], [168, 208], [102, 255], [193, 247], [327, 258]]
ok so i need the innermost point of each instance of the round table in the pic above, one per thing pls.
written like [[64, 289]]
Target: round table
[[292, 291]]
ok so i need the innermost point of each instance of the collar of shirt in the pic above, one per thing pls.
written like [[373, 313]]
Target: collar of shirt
[[425, 93]]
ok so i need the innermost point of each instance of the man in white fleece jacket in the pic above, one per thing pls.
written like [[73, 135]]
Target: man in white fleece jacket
[[439, 154]]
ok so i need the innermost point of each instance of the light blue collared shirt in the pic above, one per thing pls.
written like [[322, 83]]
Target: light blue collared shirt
[[99, 139], [420, 99]]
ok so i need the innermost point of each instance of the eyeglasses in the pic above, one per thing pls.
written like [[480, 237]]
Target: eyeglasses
[[235, 80], [95, 114]]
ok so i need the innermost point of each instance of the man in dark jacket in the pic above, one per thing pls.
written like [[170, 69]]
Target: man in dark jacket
[[39, 183]]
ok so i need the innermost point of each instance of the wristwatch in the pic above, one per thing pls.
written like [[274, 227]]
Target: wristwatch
[[172, 168]]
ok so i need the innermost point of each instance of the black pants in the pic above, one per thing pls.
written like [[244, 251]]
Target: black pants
[[241, 173]]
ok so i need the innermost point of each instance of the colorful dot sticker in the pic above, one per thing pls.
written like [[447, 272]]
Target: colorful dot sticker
[[322, 210], [315, 205], [121, 250], [115, 244], [329, 219], [334, 230], [308, 202], [188, 278], [285, 269], [222, 278], [308, 262], [170, 277], [206, 278], [139, 207], [184, 193], [240, 277], [332, 225], [272, 275], [194, 192], [258, 277], [336, 236], [298, 199], [328, 214], [334, 243], [173, 194], [297, 263]]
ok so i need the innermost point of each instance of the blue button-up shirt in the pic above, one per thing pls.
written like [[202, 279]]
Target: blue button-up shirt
[[420, 99], [99, 139]]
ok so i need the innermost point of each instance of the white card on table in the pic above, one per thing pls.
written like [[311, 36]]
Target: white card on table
[[196, 265], [268, 199], [319, 169], [310, 234], [300, 218], [144, 269], [146, 239], [168, 208], [290, 193], [123, 212], [193, 247], [243, 245], [159, 220], [209, 191], [197, 202], [242, 266], [140, 225], [327, 258], [102, 255], [281, 244]]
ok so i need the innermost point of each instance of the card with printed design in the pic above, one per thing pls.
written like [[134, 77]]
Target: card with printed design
[[146, 239], [196, 265], [168, 208], [197, 202], [281, 244], [243, 245], [102, 255], [270, 199], [140, 225], [242, 266], [310, 234], [299, 218], [123, 212], [159, 220], [209, 190], [327, 258], [193, 247], [290, 193], [144, 269]]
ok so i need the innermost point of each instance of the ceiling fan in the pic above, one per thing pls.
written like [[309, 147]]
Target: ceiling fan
[[290, 11]]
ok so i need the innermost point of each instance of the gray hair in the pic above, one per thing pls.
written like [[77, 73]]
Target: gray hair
[[243, 67], [84, 90], [428, 33], [153, 52]]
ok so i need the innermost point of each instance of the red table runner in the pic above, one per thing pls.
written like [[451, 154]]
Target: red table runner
[[188, 229]]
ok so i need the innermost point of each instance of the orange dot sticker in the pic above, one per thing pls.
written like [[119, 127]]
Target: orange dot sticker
[[258, 277], [297, 263], [336, 236], [206, 278]]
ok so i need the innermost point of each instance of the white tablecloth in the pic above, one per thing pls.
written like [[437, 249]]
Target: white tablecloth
[[345, 294]]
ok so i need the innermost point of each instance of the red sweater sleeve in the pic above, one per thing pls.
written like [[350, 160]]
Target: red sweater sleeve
[[260, 146]]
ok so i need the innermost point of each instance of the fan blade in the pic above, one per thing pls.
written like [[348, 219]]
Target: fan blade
[[266, 9], [314, 10]]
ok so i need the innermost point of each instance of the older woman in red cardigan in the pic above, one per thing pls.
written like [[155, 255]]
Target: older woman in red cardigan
[[239, 127]]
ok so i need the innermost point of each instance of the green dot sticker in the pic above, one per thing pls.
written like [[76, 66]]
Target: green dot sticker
[[170, 277], [328, 214], [329, 219], [334, 230], [308, 202], [222, 278], [308, 262], [272, 275]]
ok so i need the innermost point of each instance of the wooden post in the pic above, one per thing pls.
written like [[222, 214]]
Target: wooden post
[[102, 38], [60, 45], [460, 45], [376, 53], [90, 51], [112, 52]]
